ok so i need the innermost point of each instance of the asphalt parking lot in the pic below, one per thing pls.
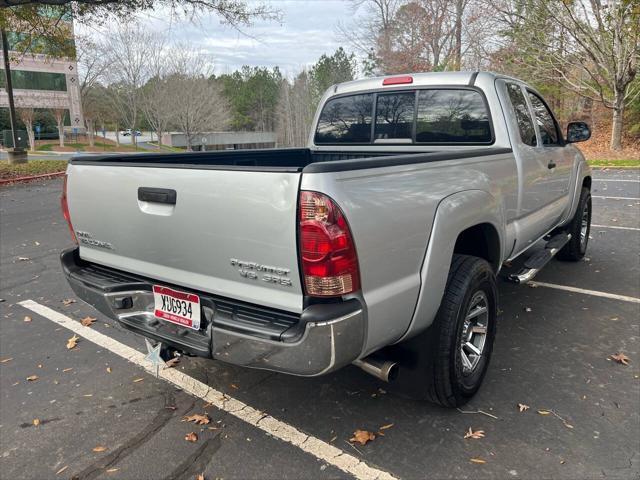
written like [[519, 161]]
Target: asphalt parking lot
[[101, 415]]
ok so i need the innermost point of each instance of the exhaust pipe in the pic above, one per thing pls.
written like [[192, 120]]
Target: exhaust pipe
[[385, 370]]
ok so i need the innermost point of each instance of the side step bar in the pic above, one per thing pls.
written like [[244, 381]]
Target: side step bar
[[538, 260]]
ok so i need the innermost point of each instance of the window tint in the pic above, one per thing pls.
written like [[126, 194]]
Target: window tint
[[346, 120], [523, 117], [546, 123], [394, 117], [23, 79]]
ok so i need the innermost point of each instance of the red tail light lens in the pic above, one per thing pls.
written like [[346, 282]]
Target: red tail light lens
[[65, 210], [397, 80], [327, 252]]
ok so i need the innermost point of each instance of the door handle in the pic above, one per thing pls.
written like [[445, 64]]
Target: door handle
[[157, 195], [551, 165]]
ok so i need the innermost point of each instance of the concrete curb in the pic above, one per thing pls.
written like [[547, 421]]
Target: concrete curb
[[7, 181]]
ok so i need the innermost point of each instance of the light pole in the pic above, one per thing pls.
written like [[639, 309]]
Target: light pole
[[16, 154]]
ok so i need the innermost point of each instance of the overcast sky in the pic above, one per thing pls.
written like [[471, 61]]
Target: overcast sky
[[306, 32]]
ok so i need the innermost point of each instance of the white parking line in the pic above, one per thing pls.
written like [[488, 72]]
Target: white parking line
[[616, 227], [615, 198], [615, 180], [594, 293], [268, 424]]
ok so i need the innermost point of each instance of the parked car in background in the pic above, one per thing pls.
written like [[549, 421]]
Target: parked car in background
[[379, 245], [128, 132]]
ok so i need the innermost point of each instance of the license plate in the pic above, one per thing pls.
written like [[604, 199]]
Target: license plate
[[176, 307]]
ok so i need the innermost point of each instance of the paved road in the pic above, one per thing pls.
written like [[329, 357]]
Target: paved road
[[551, 357]]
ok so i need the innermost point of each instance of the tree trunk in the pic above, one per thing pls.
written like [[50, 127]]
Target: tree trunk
[[90, 131], [159, 134], [458, 44], [616, 126], [117, 134], [61, 132]]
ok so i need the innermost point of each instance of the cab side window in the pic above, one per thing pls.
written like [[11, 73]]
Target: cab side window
[[523, 117], [544, 119]]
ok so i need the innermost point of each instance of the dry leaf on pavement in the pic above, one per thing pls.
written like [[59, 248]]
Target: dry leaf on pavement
[[522, 407], [32, 378], [62, 469], [72, 342], [5, 360], [384, 427], [108, 369], [68, 301], [23, 259], [172, 363], [88, 321], [27, 318], [362, 437], [200, 477], [36, 422], [475, 435], [544, 412], [620, 358], [197, 419], [191, 437], [138, 380], [111, 470], [477, 460], [99, 449]]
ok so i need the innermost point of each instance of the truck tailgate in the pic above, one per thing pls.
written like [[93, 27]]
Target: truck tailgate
[[230, 233]]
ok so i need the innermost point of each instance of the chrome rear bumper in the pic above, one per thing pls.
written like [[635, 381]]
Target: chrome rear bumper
[[323, 338]]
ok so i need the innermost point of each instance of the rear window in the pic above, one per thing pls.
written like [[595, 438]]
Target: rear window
[[438, 116], [346, 120]]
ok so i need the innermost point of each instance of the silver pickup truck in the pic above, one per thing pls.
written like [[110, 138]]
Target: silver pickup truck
[[379, 245]]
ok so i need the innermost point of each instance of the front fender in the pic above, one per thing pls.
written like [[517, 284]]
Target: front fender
[[454, 214]]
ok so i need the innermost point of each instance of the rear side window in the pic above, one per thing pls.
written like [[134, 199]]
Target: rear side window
[[346, 120], [452, 116], [523, 117], [394, 117], [546, 123]]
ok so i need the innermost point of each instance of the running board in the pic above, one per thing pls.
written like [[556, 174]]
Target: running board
[[538, 260]]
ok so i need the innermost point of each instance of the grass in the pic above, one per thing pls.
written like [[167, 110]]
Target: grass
[[81, 147], [32, 167], [168, 148], [615, 163]]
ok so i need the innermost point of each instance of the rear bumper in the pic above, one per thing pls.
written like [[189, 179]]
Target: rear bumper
[[323, 338]]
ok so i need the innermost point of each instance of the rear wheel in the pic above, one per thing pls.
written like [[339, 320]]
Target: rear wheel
[[447, 363], [579, 228]]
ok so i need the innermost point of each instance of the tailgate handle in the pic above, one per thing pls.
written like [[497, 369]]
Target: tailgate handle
[[157, 195]]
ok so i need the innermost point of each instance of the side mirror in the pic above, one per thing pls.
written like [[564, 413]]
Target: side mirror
[[578, 132]]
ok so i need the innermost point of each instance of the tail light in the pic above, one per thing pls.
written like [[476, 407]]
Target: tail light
[[327, 252], [65, 210]]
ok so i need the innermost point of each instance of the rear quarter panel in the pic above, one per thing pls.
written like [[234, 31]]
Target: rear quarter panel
[[391, 212]]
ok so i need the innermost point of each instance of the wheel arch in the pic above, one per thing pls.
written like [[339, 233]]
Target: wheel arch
[[471, 222]]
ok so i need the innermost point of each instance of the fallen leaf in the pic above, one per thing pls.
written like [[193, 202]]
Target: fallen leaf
[[32, 378], [477, 460], [527, 309], [235, 387], [544, 412], [522, 407], [108, 369], [138, 380], [5, 360], [362, 437], [191, 437], [68, 301], [197, 419], [111, 470], [385, 427], [36, 422], [620, 358], [475, 435], [200, 477], [99, 449], [172, 363], [23, 259], [62, 469], [36, 243], [88, 321], [67, 369], [72, 342], [27, 318]]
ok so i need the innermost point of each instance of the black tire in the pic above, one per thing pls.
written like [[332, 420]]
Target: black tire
[[575, 248], [432, 363]]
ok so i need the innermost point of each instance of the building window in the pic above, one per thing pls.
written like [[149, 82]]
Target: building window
[[22, 79]]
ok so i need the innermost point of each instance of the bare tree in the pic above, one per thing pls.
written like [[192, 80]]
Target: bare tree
[[154, 94], [592, 46], [27, 116], [128, 55], [295, 111], [59, 114], [196, 100]]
